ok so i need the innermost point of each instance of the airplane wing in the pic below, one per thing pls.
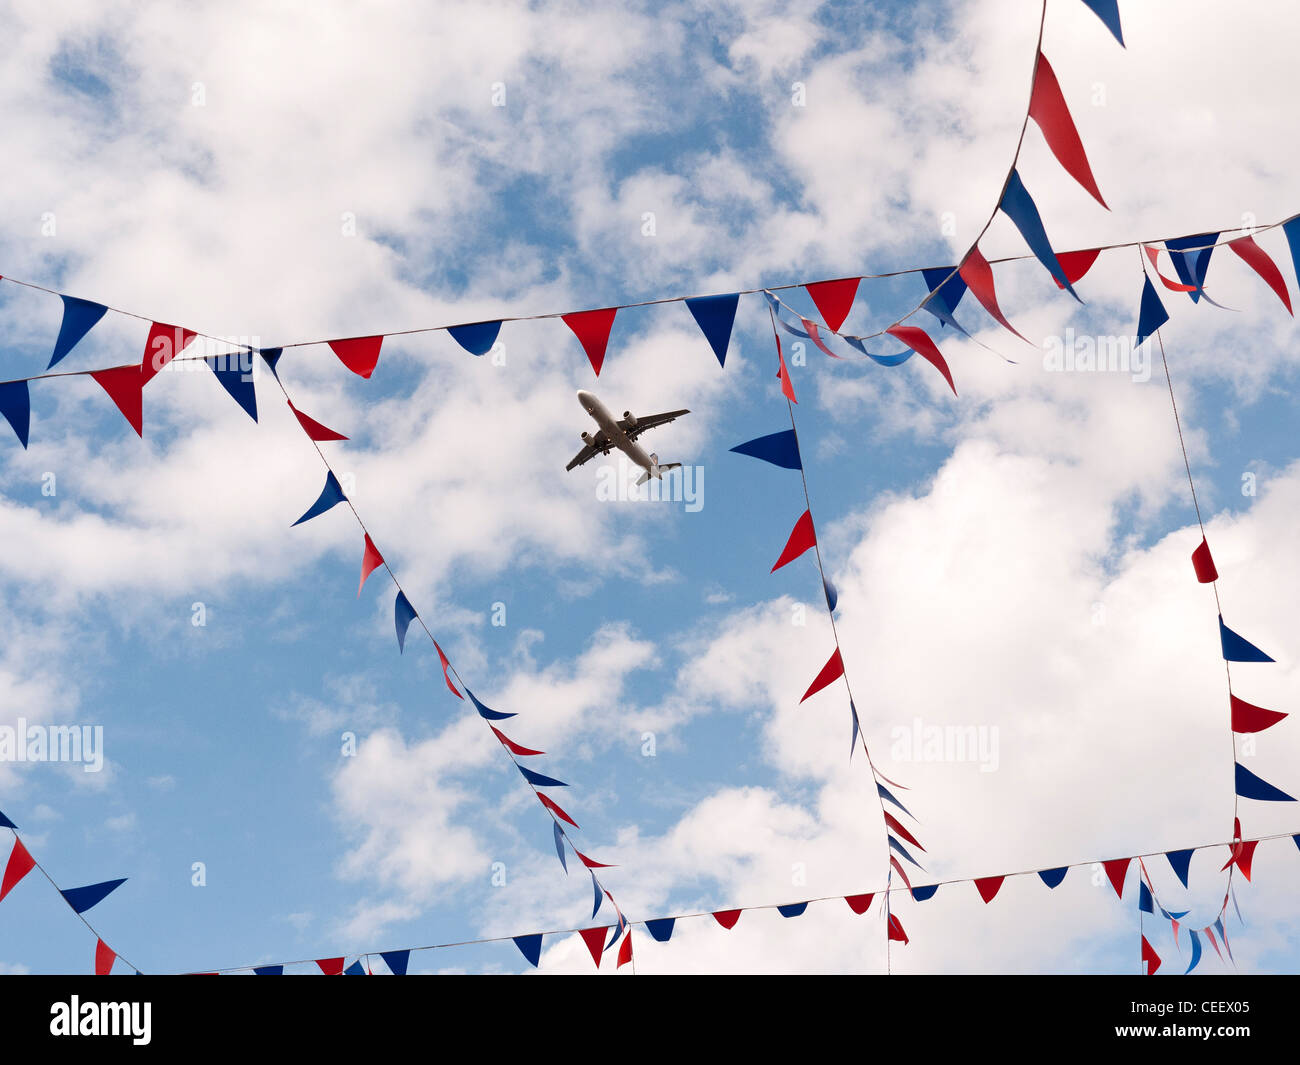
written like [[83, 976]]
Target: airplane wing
[[650, 421], [589, 451]]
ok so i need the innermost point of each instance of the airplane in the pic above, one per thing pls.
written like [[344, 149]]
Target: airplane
[[622, 434]]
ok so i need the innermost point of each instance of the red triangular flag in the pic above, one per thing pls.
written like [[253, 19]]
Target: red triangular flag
[[1047, 107], [1246, 855], [510, 744], [1116, 869], [801, 538], [834, 299], [625, 951], [592, 328], [313, 428], [445, 666], [896, 932], [894, 823], [358, 354], [1247, 717], [551, 805], [978, 275], [1074, 264], [919, 341], [164, 344], [1209, 933], [587, 861], [783, 375], [831, 671], [1150, 957], [988, 887], [1257, 259], [901, 872], [123, 385], [104, 958], [369, 560], [19, 865], [859, 904], [727, 918], [1203, 563], [1173, 286], [595, 940], [331, 966]]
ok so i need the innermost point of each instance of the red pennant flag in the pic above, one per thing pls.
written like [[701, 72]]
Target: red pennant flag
[[1209, 933], [899, 869], [800, 540], [313, 428], [587, 861], [1246, 855], [988, 887], [358, 354], [896, 932], [978, 275], [625, 951], [859, 904], [831, 671], [1074, 264], [104, 958], [894, 824], [727, 918], [1150, 957], [553, 806], [1116, 869], [446, 665], [919, 341], [783, 375], [1047, 107], [1173, 286], [592, 329], [1203, 563], [331, 966], [164, 344], [369, 560], [834, 299], [1257, 259], [1247, 717], [123, 385], [595, 940], [19, 865], [513, 747]]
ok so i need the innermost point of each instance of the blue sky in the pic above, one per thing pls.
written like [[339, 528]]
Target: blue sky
[[973, 539]]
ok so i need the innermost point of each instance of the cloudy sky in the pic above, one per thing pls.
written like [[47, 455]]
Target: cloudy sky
[[1014, 561]]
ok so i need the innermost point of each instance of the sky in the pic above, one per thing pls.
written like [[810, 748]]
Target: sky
[[1015, 559]]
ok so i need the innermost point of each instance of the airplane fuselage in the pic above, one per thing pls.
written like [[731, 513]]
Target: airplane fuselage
[[616, 436]]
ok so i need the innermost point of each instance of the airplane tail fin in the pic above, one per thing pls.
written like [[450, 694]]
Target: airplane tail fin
[[656, 469]]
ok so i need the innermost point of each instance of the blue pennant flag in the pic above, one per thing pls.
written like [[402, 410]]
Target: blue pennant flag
[[1292, 231], [16, 406], [1180, 861], [925, 892], [595, 887], [794, 909], [537, 780], [884, 793], [477, 338], [1238, 649], [884, 360], [1294, 839], [236, 381], [661, 931], [1108, 12], [1152, 314], [832, 595], [79, 317], [355, 969], [396, 960], [775, 304], [780, 449], [1250, 786], [530, 947], [899, 847], [618, 931], [948, 289], [83, 898], [1144, 898], [268, 970], [330, 496], [6, 823], [715, 316], [1191, 266], [1018, 205], [403, 615], [272, 356], [1196, 952], [484, 712], [559, 845], [1052, 877], [853, 743]]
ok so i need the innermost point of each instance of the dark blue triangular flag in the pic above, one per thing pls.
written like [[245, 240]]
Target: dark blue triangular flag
[[236, 381], [559, 844], [832, 595], [853, 743], [1238, 649], [1144, 898], [1152, 314], [661, 931], [537, 780], [1294, 839], [884, 793], [884, 360], [1191, 266], [484, 712], [268, 970], [1196, 952], [79, 317], [715, 316], [595, 887], [793, 909], [948, 289], [6, 823], [924, 892], [396, 960], [477, 338], [272, 356], [403, 615], [83, 898], [355, 969], [1292, 230], [780, 449], [530, 947], [899, 847], [1018, 205], [16, 406], [1108, 12], [1250, 786], [1180, 861], [1052, 877], [331, 495]]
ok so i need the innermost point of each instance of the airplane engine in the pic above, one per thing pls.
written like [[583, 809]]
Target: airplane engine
[[586, 437], [627, 417]]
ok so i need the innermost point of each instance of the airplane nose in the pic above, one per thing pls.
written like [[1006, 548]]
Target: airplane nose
[[584, 397]]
